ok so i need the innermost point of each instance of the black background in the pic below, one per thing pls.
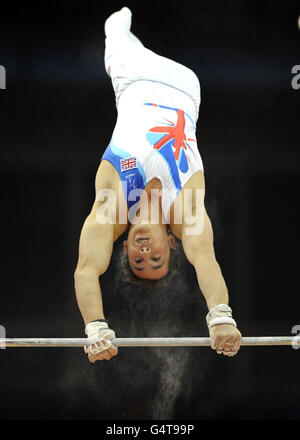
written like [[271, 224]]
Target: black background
[[56, 118]]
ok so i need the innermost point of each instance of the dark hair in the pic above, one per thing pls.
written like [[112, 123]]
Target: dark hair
[[129, 277]]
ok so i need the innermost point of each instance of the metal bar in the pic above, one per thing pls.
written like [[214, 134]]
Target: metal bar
[[144, 342]]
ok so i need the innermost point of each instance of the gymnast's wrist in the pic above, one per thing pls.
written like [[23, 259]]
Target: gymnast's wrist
[[94, 328], [220, 314]]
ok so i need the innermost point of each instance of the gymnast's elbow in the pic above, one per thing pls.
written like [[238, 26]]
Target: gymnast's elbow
[[88, 273], [203, 258], [198, 251]]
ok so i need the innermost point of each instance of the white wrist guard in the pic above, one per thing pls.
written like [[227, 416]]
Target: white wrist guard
[[93, 329], [221, 314], [98, 330]]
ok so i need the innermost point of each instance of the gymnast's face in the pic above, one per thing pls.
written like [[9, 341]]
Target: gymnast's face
[[148, 250]]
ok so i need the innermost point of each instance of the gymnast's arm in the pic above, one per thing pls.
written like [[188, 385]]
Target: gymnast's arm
[[95, 250], [199, 250]]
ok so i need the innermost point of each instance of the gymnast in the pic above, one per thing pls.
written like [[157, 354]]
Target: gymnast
[[150, 183]]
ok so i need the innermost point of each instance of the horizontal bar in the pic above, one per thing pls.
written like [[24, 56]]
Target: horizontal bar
[[145, 342]]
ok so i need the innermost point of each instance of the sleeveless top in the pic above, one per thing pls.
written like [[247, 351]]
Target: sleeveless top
[[154, 137]]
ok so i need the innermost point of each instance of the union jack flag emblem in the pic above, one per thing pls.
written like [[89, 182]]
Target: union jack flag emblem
[[128, 164]]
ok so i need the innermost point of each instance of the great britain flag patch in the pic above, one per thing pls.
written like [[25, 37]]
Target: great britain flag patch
[[128, 164]]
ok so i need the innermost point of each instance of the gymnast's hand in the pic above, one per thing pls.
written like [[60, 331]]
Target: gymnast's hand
[[102, 349], [225, 339]]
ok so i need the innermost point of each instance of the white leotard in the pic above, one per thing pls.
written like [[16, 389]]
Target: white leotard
[[158, 102]]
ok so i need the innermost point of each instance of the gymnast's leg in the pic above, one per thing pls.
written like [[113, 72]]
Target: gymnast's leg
[[127, 60], [119, 36]]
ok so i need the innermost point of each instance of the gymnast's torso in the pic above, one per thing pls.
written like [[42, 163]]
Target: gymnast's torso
[[154, 138]]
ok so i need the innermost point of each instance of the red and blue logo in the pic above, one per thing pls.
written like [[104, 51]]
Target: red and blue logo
[[171, 142]]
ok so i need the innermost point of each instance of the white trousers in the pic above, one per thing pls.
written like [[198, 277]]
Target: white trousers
[[127, 61]]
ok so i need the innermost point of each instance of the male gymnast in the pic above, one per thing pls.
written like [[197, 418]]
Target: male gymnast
[[154, 159]]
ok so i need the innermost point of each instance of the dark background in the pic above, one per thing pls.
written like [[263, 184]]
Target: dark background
[[56, 118]]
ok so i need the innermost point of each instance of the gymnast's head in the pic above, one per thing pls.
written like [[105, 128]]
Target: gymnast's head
[[148, 250]]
